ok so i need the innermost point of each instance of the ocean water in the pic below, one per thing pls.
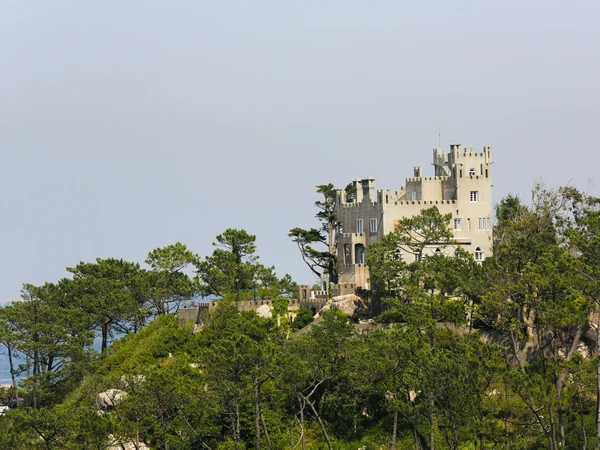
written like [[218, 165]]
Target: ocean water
[[5, 367]]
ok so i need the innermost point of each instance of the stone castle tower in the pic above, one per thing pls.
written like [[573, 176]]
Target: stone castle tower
[[461, 185]]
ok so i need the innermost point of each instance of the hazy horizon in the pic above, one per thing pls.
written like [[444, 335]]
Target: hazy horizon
[[128, 126]]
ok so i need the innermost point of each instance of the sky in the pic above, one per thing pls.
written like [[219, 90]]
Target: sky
[[126, 126]]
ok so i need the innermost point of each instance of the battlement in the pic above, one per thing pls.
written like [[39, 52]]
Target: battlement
[[353, 204], [458, 154], [419, 179], [305, 293], [426, 202]]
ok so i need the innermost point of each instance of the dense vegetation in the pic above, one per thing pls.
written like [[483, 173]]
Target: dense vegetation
[[465, 355]]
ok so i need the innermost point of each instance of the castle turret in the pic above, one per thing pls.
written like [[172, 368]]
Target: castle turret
[[365, 189]]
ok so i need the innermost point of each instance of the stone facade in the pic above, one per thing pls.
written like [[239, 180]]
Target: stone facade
[[461, 185]]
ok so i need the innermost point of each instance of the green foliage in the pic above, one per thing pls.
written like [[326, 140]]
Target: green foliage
[[492, 355], [105, 291], [167, 285], [234, 273], [302, 318], [232, 266], [318, 245]]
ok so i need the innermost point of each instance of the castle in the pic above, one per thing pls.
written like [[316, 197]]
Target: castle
[[461, 185]]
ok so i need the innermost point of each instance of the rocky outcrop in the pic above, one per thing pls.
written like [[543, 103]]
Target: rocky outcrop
[[108, 399], [350, 304], [264, 311]]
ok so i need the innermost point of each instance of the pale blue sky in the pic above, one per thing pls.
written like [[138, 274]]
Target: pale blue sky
[[125, 126]]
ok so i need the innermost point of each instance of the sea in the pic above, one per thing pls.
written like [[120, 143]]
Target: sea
[[5, 367]]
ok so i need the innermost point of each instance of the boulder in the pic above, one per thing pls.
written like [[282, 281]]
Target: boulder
[[264, 311], [349, 304], [108, 399]]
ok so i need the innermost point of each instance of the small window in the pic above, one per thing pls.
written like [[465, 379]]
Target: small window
[[413, 196], [484, 223], [472, 172], [438, 251], [478, 254], [359, 228], [458, 224], [474, 196], [373, 225]]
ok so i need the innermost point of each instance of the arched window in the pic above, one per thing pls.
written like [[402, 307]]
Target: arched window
[[457, 253], [472, 172], [303, 294], [359, 252], [437, 251], [478, 254]]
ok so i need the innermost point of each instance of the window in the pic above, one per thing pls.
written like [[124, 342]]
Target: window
[[458, 224], [474, 196], [484, 223], [413, 196], [359, 226], [360, 253], [373, 225], [348, 254], [437, 251], [472, 172], [478, 254]]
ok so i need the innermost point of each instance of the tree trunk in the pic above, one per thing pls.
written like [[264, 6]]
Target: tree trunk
[[560, 383], [454, 435], [561, 422], [256, 415], [582, 418], [104, 336], [321, 424], [303, 437], [12, 375], [416, 436], [264, 425], [506, 434], [432, 426], [236, 424], [394, 430], [553, 441]]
